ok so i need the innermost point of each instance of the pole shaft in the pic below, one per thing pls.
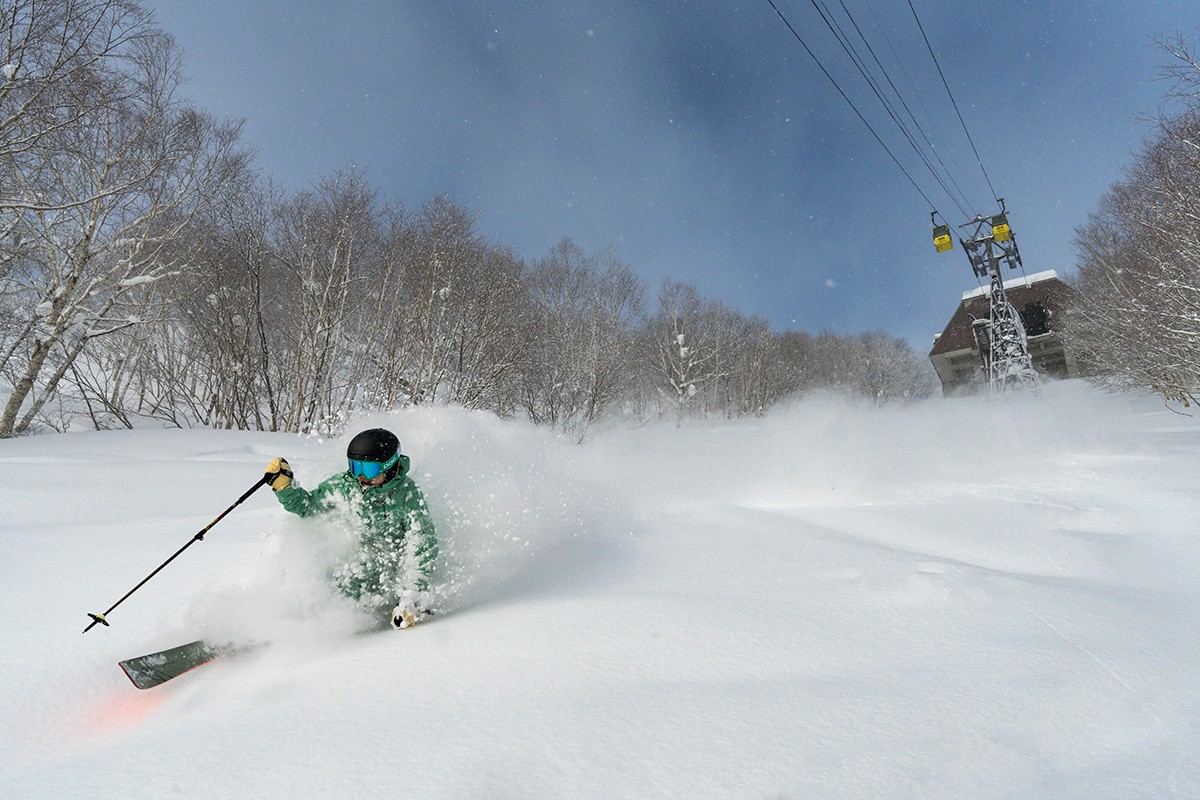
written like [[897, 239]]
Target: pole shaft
[[198, 537]]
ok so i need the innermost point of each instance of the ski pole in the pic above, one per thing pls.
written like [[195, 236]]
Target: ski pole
[[99, 619]]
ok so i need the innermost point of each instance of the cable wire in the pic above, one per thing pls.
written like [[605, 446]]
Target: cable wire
[[846, 97], [931, 121], [860, 64], [995, 194], [961, 194]]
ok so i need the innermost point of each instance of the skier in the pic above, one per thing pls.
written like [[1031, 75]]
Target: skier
[[397, 545]]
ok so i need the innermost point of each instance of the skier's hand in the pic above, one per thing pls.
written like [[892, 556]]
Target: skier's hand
[[279, 474], [403, 617]]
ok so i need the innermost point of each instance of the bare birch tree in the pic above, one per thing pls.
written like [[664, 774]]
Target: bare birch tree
[[322, 241], [684, 347], [1137, 319], [582, 336], [451, 330], [96, 197]]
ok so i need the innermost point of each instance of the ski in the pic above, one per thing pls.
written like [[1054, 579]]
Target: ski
[[155, 669]]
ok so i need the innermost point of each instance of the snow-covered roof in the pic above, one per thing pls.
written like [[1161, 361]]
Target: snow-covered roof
[[1042, 287], [1029, 280]]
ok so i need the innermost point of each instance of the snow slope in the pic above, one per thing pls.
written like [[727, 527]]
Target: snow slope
[[959, 599]]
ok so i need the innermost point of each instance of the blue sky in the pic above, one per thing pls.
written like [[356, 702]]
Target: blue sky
[[697, 137]]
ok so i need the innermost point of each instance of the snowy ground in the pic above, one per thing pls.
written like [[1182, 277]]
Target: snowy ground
[[961, 599]]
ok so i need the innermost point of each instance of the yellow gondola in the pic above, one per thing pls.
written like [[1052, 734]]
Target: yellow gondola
[[941, 238], [1000, 229]]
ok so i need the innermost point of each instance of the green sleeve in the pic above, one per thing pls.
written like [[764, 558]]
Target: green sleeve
[[419, 523], [305, 503]]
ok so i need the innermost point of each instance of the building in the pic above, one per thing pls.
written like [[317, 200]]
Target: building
[[1041, 299]]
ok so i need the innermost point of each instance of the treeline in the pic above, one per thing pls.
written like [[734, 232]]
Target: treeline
[[150, 272], [1137, 322]]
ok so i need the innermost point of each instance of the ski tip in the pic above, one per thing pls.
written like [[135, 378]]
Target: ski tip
[[135, 677], [154, 669]]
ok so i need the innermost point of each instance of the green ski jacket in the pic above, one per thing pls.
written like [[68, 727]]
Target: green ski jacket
[[396, 546]]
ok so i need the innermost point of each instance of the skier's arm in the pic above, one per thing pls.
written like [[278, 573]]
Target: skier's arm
[[419, 525], [305, 503]]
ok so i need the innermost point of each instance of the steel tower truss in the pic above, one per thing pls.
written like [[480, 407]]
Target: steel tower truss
[[1003, 345]]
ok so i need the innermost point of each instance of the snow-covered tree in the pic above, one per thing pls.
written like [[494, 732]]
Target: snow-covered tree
[[580, 356], [448, 327], [1137, 319], [685, 341], [102, 164]]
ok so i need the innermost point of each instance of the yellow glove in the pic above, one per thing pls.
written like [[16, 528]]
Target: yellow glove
[[408, 612], [403, 617], [279, 474]]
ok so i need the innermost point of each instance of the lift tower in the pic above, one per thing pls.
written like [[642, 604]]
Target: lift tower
[[1003, 346]]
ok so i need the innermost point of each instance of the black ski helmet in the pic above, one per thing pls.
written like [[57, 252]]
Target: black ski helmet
[[379, 445]]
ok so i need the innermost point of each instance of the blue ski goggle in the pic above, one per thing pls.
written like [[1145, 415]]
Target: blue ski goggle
[[371, 469]]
